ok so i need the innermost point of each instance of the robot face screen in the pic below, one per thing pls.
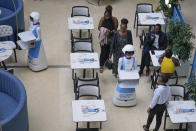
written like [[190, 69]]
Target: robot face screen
[[128, 54], [31, 18]]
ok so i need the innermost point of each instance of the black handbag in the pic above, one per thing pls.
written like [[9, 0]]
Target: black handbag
[[108, 64]]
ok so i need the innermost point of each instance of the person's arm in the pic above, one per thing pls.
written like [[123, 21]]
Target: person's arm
[[131, 38], [161, 58], [100, 23], [149, 39], [115, 20], [176, 61], [113, 44], [154, 99], [164, 42], [119, 64]]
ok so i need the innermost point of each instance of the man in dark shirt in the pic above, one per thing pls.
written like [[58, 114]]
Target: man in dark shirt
[[156, 40]]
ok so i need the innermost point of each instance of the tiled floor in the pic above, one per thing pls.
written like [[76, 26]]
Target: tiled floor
[[50, 92]]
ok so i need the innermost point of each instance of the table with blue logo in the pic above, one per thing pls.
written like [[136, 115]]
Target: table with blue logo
[[84, 61]]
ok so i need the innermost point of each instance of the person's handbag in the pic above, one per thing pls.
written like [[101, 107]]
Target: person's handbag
[[108, 64]]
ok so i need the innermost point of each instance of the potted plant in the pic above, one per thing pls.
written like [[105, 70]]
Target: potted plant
[[190, 88], [167, 7], [179, 40]]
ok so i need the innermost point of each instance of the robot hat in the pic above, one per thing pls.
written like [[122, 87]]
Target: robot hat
[[35, 16], [128, 48]]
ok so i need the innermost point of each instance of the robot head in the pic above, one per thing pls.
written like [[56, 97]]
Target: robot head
[[35, 17], [128, 50]]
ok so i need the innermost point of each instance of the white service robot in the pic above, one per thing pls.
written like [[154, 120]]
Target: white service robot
[[36, 54], [128, 79]]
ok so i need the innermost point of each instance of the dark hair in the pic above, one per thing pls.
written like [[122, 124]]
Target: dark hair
[[158, 26], [108, 9], [168, 53], [124, 21], [164, 78]]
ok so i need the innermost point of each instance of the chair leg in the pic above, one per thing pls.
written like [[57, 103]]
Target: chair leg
[[15, 55], [134, 20], [89, 33], [165, 120], [80, 33], [4, 65], [136, 30]]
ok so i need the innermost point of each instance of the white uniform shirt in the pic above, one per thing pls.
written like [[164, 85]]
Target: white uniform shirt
[[162, 94], [156, 41]]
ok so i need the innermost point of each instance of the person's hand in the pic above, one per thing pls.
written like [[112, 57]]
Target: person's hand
[[110, 56], [113, 31], [152, 37], [148, 110], [108, 32]]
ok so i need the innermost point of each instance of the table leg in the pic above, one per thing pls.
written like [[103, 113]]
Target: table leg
[[84, 73], [180, 127], [80, 33], [88, 124], [100, 125], [4, 65]]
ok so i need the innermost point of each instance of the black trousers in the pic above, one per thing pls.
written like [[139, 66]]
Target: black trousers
[[105, 50], [145, 60], [158, 110]]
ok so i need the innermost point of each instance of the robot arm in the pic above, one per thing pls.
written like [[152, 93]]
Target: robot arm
[[38, 30]]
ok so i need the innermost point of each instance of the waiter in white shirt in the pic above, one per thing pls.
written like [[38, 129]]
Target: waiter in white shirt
[[162, 95]]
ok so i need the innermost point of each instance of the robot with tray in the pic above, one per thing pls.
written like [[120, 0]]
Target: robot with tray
[[128, 79]]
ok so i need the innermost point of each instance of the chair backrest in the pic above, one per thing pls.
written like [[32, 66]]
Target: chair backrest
[[80, 11], [5, 30], [88, 90], [177, 90], [75, 39], [144, 8], [82, 46], [87, 81]]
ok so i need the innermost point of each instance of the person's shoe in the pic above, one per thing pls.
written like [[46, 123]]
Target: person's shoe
[[140, 72], [147, 72], [144, 127]]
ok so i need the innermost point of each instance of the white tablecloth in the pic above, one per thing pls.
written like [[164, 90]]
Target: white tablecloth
[[5, 54], [77, 61], [181, 117], [150, 18], [81, 113], [77, 23]]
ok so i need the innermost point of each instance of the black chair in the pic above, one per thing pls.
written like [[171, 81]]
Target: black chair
[[177, 91], [81, 44], [80, 11], [141, 8], [171, 79], [81, 84]]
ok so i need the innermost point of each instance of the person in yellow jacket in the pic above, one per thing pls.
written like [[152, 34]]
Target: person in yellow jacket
[[168, 63]]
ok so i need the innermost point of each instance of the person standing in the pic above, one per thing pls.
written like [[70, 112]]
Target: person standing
[[122, 37], [156, 40], [162, 95], [108, 24]]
